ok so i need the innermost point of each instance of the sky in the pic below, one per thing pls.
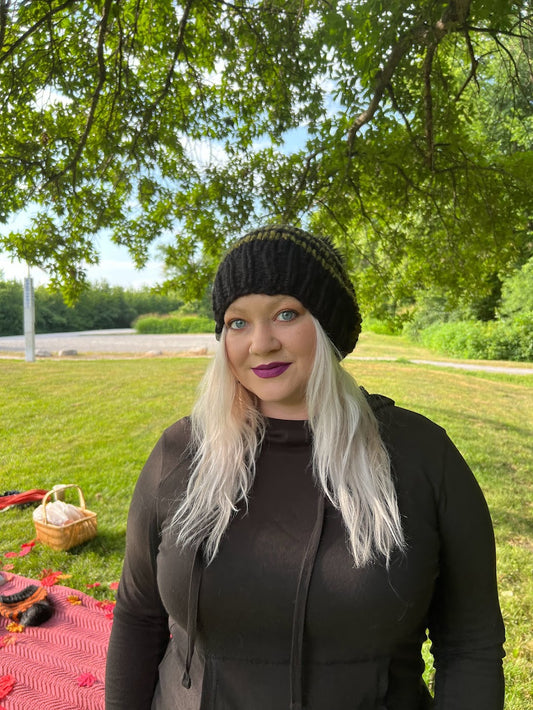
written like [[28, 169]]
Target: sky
[[116, 267]]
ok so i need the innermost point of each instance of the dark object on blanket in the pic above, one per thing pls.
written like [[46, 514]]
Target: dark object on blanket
[[29, 607]]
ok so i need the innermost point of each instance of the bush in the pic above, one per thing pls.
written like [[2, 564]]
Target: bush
[[495, 340], [381, 327], [154, 323]]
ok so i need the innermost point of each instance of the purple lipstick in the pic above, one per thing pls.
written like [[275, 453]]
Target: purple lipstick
[[271, 369]]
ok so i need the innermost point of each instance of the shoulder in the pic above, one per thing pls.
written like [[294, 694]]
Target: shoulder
[[173, 449], [165, 474], [176, 438], [396, 421], [418, 447], [170, 456]]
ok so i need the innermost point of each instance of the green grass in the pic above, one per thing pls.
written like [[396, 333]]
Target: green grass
[[94, 423]]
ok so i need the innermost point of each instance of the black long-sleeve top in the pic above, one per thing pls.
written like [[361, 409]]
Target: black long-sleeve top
[[247, 637]]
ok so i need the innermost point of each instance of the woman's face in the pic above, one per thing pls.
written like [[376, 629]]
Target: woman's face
[[270, 345]]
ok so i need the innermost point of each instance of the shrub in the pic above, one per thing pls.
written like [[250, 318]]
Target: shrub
[[381, 327], [154, 323], [495, 340]]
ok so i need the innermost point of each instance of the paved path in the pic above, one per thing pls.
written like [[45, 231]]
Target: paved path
[[127, 342], [477, 366], [458, 365], [123, 341]]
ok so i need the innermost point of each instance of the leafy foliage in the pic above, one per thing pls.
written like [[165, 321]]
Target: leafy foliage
[[517, 293], [403, 130], [497, 340]]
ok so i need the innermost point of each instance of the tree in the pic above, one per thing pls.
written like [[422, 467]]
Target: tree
[[202, 118], [517, 300]]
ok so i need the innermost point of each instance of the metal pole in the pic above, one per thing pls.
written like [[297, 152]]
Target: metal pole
[[29, 319]]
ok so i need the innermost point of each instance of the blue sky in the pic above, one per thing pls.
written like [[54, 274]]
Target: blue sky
[[116, 267]]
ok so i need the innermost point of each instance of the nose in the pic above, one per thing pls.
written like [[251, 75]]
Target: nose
[[263, 339]]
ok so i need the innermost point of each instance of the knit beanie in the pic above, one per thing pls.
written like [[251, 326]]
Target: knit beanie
[[287, 260]]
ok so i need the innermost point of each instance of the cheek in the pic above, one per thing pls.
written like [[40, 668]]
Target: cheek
[[234, 353], [307, 342], [229, 353]]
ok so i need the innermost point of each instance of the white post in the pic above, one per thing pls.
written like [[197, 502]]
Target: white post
[[29, 319]]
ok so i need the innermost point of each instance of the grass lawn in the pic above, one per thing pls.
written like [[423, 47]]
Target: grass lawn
[[94, 422]]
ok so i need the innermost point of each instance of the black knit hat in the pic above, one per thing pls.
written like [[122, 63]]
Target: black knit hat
[[287, 260]]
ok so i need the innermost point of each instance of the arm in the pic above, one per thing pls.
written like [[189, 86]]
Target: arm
[[140, 627], [465, 623]]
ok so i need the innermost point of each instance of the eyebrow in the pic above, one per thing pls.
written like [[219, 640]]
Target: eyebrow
[[234, 311]]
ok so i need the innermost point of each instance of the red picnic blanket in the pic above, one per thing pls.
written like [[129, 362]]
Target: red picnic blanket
[[59, 665], [32, 496]]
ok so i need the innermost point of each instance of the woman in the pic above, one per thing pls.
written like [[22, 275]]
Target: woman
[[289, 544]]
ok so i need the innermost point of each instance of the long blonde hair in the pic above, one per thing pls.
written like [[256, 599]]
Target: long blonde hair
[[350, 462]]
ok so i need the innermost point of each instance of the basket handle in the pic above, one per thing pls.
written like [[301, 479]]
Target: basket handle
[[46, 498]]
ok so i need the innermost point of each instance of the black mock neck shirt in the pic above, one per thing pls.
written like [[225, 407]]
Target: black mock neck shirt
[[282, 619]]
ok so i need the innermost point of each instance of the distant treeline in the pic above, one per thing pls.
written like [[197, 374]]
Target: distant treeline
[[100, 306]]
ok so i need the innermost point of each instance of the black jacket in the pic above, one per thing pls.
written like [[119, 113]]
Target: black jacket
[[281, 618]]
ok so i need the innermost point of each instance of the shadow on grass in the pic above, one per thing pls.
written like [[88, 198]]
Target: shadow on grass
[[107, 542]]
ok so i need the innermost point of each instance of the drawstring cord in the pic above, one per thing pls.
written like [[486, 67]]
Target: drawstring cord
[[300, 607], [192, 614]]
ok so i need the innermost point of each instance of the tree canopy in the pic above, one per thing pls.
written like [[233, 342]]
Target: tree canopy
[[402, 129]]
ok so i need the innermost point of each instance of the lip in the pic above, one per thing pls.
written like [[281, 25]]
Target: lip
[[271, 369]]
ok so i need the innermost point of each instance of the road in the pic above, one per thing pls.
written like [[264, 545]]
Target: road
[[118, 341]]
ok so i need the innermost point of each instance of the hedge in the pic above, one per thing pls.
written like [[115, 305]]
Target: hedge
[[493, 340], [154, 323]]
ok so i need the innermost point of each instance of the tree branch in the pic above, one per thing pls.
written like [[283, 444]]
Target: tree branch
[[428, 106], [473, 67], [406, 121], [383, 78], [494, 31], [102, 73], [454, 16], [24, 36], [177, 51], [4, 9], [509, 54], [452, 19], [149, 111], [344, 229], [300, 187]]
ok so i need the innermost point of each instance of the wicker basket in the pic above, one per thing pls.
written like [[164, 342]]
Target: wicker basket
[[63, 537]]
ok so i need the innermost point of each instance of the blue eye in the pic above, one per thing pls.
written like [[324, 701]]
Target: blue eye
[[237, 324], [287, 315]]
